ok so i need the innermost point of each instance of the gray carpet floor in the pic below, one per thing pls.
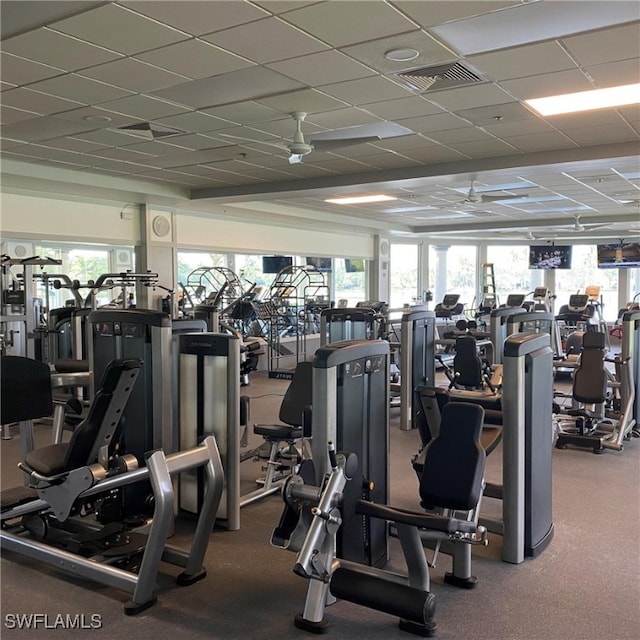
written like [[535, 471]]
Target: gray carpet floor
[[584, 586]]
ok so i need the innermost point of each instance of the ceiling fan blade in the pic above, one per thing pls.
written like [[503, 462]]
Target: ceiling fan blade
[[488, 198], [328, 145], [377, 130]]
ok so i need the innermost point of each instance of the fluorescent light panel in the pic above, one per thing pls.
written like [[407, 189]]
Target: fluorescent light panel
[[360, 199], [587, 100]]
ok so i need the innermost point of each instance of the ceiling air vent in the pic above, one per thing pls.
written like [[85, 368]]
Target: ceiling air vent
[[149, 130], [442, 76]]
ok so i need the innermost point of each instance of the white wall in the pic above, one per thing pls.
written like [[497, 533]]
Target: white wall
[[53, 219], [26, 216], [195, 231]]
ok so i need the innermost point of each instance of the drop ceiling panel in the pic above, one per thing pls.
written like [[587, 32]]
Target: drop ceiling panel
[[306, 100], [194, 122], [43, 128], [144, 107], [528, 60], [237, 86], [97, 117], [548, 84], [84, 90], [194, 59], [543, 141], [409, 107], [610, 133], [74, 144], [612, 45], [325, 67], [37, 102], [339, 118], [266, 41], [614, 73], [498, 113], [245, 112], [366, 90], [118, 29], [58, 50], [19, 71], [477, 95], [438, 11], [531, 22], [439, 122], [198, 17], [9, 115], [133, 75], [343, 23]]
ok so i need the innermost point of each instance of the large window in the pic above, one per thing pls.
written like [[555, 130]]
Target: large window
[[584, 272], [511, 270], [403, 274], [350, 285], [82, 265], [188, 261], [461, 274]]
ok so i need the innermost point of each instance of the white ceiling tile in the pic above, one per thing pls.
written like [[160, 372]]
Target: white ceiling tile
[[133, 75], [198, 17], [195, 59], [470, 96], [615, 73], [603, 135], [74, 144], [409, 107], [606, 46], [79, 89], [194, 122], [528, 60], [483, 149], [194, 141], [541, 141], [439, 11], [156, 147], [307, 100], [325, 67], [30, 100], [507, 128], [144, 107], [119, 29], [460, 134], [438, 122], [366, 90], [98, 117], [20, 71], [237, 86], [245, 112], [532, 22], [123, 153], [265, 41], [9, 115], [349, 22], [548, 84], [497, 113], [43, 128], [106, 137], [338, 118], [58, 50]]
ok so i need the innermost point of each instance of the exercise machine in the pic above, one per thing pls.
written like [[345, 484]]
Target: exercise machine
[[450, 491], [73, 520], [612, 397]]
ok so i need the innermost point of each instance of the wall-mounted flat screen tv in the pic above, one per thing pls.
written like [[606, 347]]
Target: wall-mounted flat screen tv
[[353, 266], [321, 264], [619, 256], [550, 257], [275, 264]]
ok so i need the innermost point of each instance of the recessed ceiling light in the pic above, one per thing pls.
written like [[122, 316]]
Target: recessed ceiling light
[[360, 199], [401, 55], [586, 100]]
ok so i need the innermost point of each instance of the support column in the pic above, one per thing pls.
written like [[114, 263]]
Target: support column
[[380, 286], [157, 254]]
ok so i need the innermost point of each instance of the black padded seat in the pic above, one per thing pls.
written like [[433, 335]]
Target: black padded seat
[[453, 469], [65, 456], [25, 389], [467, 366], [295, 404]]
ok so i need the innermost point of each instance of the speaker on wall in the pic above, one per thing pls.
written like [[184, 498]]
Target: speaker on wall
[[19, 249]]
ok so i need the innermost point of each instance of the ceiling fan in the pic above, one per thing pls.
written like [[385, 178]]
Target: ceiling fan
[[578, 227], [483, 198], [298, 147]]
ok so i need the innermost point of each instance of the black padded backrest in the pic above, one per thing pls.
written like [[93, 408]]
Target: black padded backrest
[[83, 439], [429, 402], [466, 363], [298, 396], [454, 461], [590, 378], [25, 389]]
